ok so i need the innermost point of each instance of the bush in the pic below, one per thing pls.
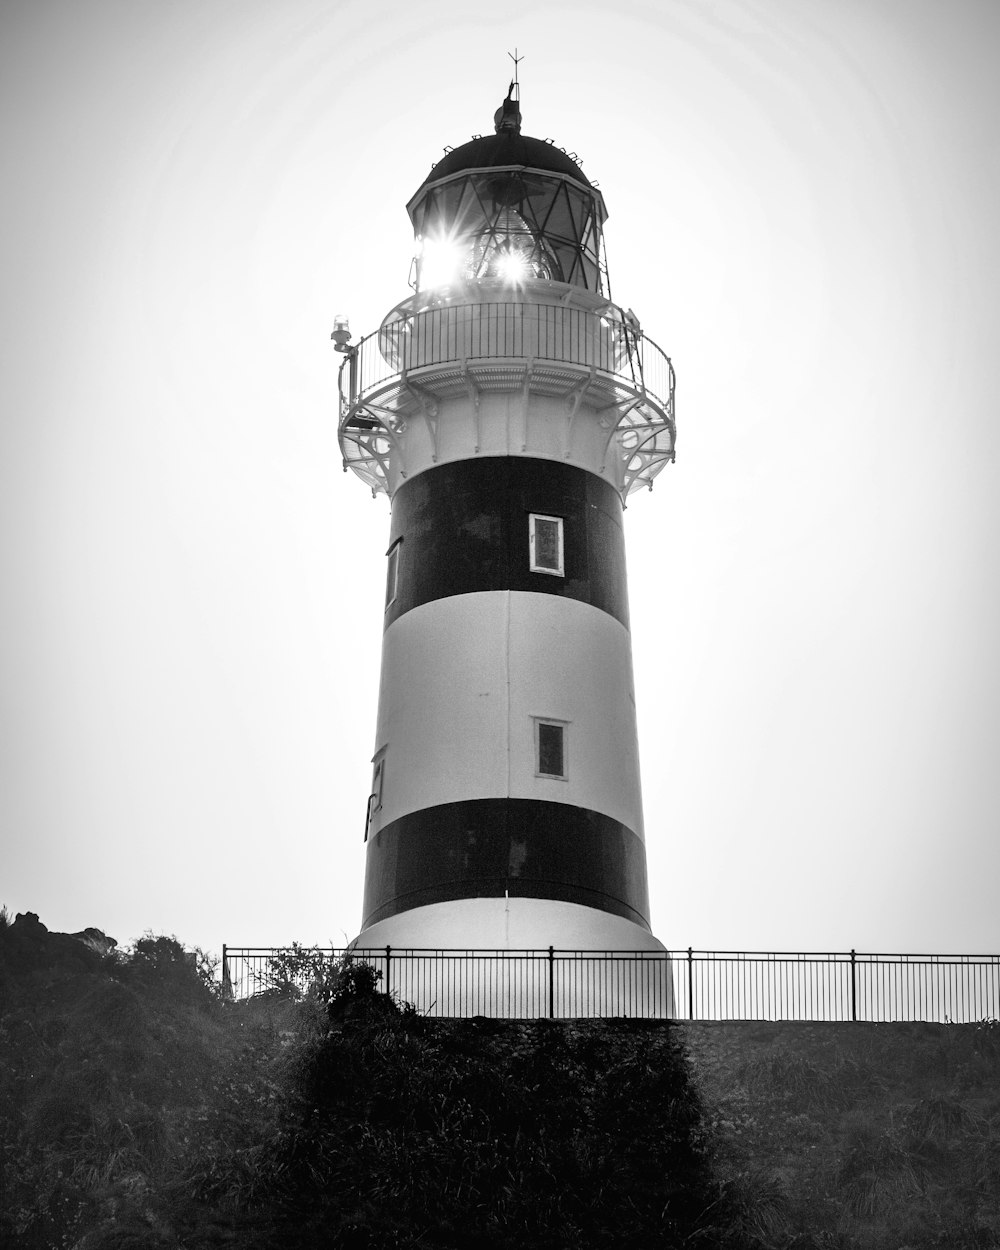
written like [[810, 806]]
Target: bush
[[489, 1133]]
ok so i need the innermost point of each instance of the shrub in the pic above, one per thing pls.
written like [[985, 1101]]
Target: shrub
[[490, 1133]]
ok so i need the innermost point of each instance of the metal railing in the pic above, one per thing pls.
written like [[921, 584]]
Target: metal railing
[[596, 357], [455, 333], [680, 985]]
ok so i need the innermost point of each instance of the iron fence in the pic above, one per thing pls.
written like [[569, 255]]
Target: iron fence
[[680, 985]]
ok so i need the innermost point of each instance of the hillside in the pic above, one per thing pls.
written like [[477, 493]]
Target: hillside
[[139, 1109], [867, 1135]]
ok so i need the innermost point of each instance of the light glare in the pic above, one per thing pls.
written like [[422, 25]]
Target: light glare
[[440, 262], [512, 267]]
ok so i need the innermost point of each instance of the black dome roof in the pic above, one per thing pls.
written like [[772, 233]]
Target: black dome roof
[[506, 148]]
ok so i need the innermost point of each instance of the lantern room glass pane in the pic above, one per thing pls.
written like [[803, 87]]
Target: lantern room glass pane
[[511, 225]]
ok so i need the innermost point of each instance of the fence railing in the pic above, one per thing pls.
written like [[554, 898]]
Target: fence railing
[[505, 330], [680, 985]]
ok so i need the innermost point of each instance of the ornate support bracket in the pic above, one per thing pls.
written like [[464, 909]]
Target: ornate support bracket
[[526, 401], [474, 395], [646, 457], [428, 406], [372, 425], [369, 455], [573, 400], [388, 418], [623, 409]]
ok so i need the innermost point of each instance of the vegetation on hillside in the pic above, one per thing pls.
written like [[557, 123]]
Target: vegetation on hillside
[[140, 1109], [882, 1136], [119, 1076]]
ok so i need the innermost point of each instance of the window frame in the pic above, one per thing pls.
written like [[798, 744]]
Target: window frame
[[533, 564], [392, 567], [378, 786], [563, 727]]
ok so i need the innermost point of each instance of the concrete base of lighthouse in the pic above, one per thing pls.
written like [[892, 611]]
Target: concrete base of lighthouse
[[601, 964], [507, 924]]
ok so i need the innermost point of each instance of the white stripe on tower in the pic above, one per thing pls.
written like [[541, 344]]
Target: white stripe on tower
[[463, 679]]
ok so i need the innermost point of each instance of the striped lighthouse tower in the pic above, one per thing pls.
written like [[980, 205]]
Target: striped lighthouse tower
[[507, 408]]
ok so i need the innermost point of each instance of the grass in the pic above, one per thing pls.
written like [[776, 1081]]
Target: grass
[[880, 1136]]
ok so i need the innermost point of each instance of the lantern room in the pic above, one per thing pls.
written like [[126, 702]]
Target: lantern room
[[510, 209], [510, 343]]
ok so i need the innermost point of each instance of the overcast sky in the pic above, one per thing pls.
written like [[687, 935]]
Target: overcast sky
[[803, 198]]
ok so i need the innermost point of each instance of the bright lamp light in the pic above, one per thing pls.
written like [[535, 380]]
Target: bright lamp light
[[440, 262], [512, 267]]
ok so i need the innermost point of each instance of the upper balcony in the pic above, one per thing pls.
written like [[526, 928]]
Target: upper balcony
[[595, 357]]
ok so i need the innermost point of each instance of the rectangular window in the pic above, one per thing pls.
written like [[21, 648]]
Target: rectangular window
[[545, 543], [392, 573], [550, 748]]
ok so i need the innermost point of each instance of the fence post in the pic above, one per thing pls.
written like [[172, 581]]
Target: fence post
[[690, 984], [854, 985], [388, 978], [552, 982], [227, 984]]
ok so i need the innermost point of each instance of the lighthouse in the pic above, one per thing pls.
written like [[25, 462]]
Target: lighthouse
[[508, 408]]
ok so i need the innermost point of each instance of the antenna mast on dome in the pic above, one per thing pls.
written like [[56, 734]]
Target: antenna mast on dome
[[507, 118], [515, 85]]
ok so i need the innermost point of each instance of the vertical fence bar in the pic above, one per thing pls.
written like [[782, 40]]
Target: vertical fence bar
[[854, 985], [552, 982], [690, 983]]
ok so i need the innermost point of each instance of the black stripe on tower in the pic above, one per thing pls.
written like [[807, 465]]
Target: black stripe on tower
[[483, 848], [463, 527]]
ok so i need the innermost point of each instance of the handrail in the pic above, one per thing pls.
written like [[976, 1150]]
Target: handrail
[[455, 333]]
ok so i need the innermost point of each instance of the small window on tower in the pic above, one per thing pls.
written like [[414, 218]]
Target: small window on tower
[[375, 798], [392, 572], [550, 748], [545, 543]]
